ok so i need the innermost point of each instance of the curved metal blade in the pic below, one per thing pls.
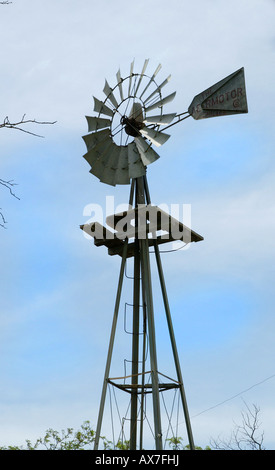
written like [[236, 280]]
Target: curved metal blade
[[141, 75], [101, 162], [147, 154], [98, 151], [162, 119], [109, 93], [136, 112], [108, 174], [156, 137], [157, 90], [102, 168], [119, 81], [91, 157], [151, 79], [161, 102], [136, 167], [122, 171], [95, 123], [101, 108], [108, 177], [131, 76], [93, 139]]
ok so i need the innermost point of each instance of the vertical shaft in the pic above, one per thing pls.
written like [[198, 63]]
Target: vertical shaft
[[146, 279], [142, 399], [135, 349], [147, 290]]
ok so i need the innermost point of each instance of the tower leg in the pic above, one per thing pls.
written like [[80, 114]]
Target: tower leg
[[113, 332], [135, 349], [146, 279], [142, 399], [174, 348], [111, 345]]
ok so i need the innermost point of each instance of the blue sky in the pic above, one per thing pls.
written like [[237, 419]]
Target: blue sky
[[58, 290]]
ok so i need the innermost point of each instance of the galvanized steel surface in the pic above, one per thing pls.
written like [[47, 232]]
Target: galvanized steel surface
[[226, 97]]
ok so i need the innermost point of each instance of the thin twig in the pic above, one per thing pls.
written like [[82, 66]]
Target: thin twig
[[9, 185], [3, 220], [15, 125]]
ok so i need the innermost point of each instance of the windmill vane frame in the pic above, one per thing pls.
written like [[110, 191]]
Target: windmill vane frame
[[115, 159]]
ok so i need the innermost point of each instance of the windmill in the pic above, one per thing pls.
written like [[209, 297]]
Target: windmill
[[129, 123]]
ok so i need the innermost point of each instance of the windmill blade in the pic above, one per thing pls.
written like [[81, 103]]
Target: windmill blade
[[119, 81], [122, 176], [141, 76], [95, 123], [93, 139], [136, 112], [157, 90], [91, 157], [102, 168], [151, 79], [109, 172], [97, 170], [101, 162], [162, 119], [161, 102], [122, 171], [136, 167], [109, 93], [98, 150], [107, 176], [147, 154], [156, 137], [101, 108], [131, 76]]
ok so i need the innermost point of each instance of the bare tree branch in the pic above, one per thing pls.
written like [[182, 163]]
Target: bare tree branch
[[245, 436], [9, 185], [2, 218], [17, 125]]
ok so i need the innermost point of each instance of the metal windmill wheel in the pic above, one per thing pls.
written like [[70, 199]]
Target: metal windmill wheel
[[119, 145]]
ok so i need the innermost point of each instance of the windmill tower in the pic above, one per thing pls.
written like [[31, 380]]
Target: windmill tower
[[129, 123]]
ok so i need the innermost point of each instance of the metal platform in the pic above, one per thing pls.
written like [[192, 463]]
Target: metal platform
[[150, 220]]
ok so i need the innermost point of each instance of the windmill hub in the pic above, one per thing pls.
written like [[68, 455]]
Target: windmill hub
[[131, 126]]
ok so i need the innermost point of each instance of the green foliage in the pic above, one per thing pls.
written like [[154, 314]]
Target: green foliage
[[83, 439], [176, 444], [66, 440], [123, 445]]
